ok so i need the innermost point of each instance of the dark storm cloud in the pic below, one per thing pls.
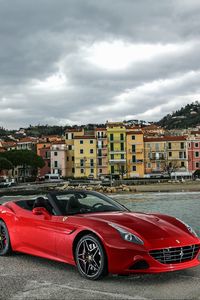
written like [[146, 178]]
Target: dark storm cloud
[[49, 72]]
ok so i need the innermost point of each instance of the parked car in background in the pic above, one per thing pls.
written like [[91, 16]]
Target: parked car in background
[[51, 177]]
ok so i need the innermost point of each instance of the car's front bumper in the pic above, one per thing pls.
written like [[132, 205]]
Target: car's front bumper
[[137, 259]]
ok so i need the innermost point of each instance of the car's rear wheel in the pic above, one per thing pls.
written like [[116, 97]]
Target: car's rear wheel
[[5, 245], [90, 257]]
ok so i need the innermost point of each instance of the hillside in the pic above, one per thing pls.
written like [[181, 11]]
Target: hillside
[[188, 116]]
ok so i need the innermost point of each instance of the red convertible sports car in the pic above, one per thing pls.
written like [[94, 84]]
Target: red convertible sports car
[[97, 234]]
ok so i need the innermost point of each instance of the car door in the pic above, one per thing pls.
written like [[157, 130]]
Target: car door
[[36, 233]]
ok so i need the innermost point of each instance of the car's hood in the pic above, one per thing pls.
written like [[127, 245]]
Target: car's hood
[[146, 225]]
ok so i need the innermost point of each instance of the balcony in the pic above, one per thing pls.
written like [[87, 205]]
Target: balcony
[[117, 141], [117, 161], [137, 161], [139, 151], [102, 137], [117, 151], [157, 158]]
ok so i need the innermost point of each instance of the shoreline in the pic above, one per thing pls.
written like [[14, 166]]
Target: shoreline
[[27, 189], [189, 186]]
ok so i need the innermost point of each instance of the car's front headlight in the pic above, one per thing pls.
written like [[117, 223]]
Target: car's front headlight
[[189, 228], [127, 236]]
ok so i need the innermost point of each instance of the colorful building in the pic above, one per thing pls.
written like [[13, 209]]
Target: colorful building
[[70, 134], [59, 158], [167, 154], [135, 153], [85, 156], [194, 153], [116, 135], [102, 152], [44, 151], [155, 158]]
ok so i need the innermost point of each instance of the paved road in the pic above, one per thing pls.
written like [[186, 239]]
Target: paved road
[[27, 277]]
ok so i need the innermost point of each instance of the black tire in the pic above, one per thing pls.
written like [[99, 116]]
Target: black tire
[[91, 258], [5, 245]]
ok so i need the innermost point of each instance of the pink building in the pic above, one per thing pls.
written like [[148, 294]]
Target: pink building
[[194, 153]]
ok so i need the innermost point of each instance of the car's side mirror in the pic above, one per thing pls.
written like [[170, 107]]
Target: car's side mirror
[[38, 211]]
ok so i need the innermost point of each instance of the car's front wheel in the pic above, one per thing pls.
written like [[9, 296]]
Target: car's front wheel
[[5, 245], [91, 257]]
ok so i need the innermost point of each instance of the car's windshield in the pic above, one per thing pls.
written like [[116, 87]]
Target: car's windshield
[[85, 202]]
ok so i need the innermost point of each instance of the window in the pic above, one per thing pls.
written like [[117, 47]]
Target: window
[[99, 153], [181, 155], [111, 137], [55, 164], [72, 136], [92, 162], [81, 151], [196, 145], [133, 148], [170, 154], [70, 147], [111, 147], [100, 170], [66, 136], [91, 141], [55, 153], [134, 168], [182, 164], [91, 151], [157, 146], [170, 145], [112, 169], [121, 136], [182, 145], [122, 146], [72, 158], [82, 171], [67, 158], [148, 165], [81, 141], [196, 154], [111, 156], [158, 165], [100, 161], [197, 165], [122, 156], [133, 137], [73, 170], [133, 158], [92, 171], [189, 145], [82, 162]]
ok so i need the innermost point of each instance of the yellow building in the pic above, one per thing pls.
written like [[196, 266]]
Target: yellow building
[[85, 156], [116, 135], [70, 134], [135, 153]]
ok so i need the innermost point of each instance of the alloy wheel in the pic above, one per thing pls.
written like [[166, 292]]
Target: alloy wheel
[[90, 258], [5, 246]]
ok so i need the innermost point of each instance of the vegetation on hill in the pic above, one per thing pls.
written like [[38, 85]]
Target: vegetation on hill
[[186, 117]]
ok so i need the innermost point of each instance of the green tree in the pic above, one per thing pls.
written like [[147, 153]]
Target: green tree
[[24, 158], [5, 164]]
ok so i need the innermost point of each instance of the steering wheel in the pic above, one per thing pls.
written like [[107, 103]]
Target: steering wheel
[[97, 204]]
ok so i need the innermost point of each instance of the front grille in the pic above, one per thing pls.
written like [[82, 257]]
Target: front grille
[[175, 255]]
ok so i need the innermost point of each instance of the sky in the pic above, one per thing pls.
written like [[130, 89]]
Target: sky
[[66, 62]]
